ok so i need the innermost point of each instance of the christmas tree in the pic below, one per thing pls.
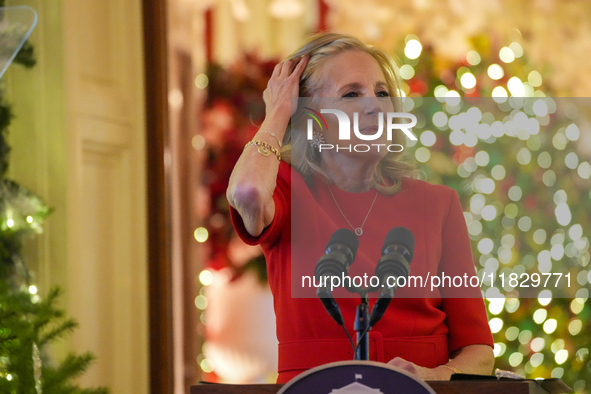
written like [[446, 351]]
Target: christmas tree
[[28, 322], [512, 183], [525, 190]]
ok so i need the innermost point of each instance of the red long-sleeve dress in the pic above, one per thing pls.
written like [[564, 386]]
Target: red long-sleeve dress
[[420, 325]]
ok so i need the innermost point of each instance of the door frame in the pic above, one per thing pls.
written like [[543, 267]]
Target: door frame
[[158, 200]]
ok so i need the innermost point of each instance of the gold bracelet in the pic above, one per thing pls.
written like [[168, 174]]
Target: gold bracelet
[[265, 149], [452, 368], [274, 135]]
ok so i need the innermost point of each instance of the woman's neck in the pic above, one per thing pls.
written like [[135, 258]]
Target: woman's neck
[[349, 173]]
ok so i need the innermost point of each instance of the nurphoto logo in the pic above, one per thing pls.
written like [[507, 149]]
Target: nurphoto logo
[[345, 129]]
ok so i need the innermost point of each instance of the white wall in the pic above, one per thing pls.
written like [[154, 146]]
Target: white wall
[[79, 141]]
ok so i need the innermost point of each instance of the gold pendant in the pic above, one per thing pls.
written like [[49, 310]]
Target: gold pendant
[[264, 151]]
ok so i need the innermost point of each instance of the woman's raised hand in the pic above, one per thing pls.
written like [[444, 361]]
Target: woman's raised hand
[[253, 181], [283, 85]]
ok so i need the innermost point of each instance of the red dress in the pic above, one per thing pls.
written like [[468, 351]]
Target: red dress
[[420, 326]]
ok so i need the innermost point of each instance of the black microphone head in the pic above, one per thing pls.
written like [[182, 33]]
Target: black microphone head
[[400, 236], [347, 238]]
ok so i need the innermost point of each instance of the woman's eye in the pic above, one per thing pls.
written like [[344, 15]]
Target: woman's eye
[[382, 93]]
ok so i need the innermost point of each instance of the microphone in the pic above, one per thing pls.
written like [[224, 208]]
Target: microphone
[[338, 256], [397, 253]]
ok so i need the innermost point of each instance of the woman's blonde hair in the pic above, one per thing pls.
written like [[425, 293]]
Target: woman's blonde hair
[[394, 166]]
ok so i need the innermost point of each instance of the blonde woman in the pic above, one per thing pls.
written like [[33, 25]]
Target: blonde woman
[[284, 191]]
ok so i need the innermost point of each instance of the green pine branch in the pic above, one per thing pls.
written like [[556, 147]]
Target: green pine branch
[[57, 380], [25, 56], [5, 119], [24, 321]]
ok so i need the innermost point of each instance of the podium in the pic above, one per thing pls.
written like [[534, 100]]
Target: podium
[[448, 387], [374, 377]]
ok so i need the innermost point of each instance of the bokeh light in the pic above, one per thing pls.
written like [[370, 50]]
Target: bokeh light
[[506, 55], [413, 49], [495, 72], [201, 234], [206, 277], [495, 324], [407, 71], [473, 58]]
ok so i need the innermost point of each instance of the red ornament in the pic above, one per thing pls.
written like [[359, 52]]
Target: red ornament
[[530, 202], [418, 86]]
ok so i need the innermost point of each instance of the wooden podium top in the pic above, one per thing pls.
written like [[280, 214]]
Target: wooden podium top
[[449, 387]]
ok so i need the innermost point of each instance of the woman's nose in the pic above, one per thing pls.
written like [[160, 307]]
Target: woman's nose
[[372, 104]]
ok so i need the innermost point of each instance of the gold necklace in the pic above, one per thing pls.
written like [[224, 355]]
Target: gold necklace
[[358, 230]]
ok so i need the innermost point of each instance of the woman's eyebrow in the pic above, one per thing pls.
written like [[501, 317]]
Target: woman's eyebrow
[[356, 85], [381, 85]]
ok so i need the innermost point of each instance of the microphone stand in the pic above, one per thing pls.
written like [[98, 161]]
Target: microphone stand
[[362, 328], [397, 264]]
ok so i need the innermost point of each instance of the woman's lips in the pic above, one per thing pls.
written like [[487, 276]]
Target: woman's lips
[[369, 130]]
